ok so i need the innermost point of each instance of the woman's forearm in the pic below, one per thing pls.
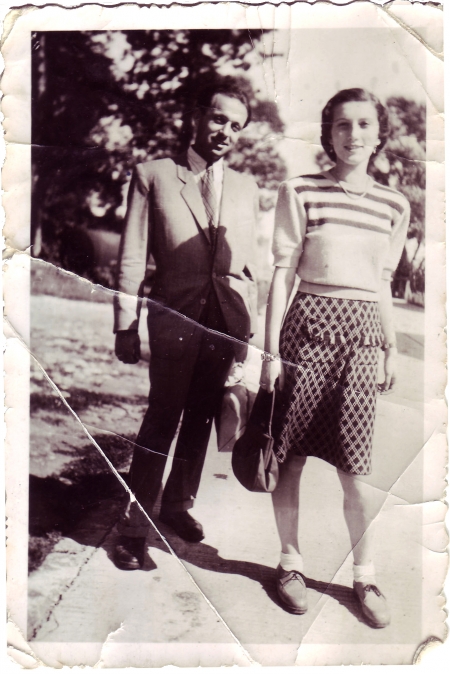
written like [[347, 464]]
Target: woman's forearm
[[390, 345], [386, 313], [280, 292]]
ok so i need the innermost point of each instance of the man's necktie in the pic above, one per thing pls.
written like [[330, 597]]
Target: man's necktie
[[210, 202]]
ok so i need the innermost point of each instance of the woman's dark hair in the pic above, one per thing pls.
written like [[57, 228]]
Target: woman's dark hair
[[228, 87], [347, 96]]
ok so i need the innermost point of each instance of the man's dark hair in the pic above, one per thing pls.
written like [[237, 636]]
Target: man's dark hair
[[348, 96], [227, 87]]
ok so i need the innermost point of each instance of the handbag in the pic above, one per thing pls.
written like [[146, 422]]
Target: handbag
[[253, 460], [232, 417]]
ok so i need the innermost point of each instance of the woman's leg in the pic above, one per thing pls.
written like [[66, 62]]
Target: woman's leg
[[285, 501], [291, 586], [362, 503]]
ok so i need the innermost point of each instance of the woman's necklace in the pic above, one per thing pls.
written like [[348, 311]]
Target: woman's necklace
[[352, 195]]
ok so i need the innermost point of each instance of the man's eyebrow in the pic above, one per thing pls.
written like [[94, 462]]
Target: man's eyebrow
[[220, 113]]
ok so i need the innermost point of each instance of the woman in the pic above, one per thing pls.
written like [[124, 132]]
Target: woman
[[342, 234]]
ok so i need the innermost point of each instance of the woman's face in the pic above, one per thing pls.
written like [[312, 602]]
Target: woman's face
[[355, 132]]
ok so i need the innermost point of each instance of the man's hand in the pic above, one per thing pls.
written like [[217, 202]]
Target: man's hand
[[128, 346]]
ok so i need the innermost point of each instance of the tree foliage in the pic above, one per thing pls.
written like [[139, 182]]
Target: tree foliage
[[402, 164], [104, 101]]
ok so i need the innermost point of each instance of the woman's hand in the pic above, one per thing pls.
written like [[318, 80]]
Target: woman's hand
[[270, 372], [390, 367]]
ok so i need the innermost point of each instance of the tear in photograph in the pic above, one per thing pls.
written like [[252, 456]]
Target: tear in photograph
[[224, 312]]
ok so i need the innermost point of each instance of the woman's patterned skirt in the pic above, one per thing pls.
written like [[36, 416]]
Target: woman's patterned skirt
[[330, 350]]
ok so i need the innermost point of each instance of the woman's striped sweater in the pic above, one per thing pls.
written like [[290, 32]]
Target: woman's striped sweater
[[341, 246]]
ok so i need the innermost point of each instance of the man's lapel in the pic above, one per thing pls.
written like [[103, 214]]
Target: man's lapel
[[228, 221], [191, 194]]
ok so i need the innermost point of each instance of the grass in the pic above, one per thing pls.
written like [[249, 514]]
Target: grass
[[46, 279]]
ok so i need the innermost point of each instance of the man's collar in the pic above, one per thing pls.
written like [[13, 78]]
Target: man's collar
[[197, 164]]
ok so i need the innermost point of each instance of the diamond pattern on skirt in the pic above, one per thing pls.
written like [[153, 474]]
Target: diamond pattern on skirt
[[327, 407]]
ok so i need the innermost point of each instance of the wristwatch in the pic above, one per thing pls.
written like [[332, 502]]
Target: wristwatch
[[268, 357], [388, 345]]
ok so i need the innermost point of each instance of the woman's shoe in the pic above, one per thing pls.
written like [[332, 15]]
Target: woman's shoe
[[373, 604], [291, 590]]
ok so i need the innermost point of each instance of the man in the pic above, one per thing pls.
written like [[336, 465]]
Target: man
[[197, 218]]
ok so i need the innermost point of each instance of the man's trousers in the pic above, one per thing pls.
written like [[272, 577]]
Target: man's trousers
[[192, 386]]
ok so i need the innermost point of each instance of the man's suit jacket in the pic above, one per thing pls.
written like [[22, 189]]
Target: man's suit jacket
[[166, 218]]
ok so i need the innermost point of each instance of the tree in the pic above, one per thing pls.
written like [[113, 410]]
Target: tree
[[402, 164], [104, 101]]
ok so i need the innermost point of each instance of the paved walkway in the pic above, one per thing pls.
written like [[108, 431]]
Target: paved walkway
[[212, 603]]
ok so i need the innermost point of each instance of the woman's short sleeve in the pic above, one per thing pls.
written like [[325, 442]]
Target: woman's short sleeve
[[290, 227]]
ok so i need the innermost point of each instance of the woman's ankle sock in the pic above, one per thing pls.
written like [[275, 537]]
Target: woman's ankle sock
[[291, 562], [364, 573]]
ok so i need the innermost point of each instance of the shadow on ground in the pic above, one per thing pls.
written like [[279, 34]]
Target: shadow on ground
[[59, 504], [87, 510], [80, 399]]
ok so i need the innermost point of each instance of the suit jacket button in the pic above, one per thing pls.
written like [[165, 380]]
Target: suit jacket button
[[202, 301]]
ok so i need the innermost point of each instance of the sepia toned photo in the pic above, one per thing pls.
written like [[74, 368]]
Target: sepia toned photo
[[226, 369]]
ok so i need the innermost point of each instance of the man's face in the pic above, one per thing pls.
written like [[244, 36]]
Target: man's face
[[219, 127]]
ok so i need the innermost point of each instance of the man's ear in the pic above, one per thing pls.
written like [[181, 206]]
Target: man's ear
[[195, 119]]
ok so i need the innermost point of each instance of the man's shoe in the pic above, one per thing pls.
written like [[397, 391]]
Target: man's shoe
[[373, 604], [291, 590], [129, 553], [184, 525]]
